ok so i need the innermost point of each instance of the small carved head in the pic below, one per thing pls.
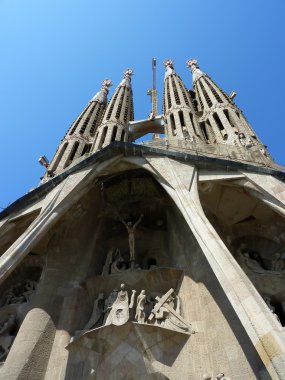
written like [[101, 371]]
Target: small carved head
[[122, 286], [220, 376]]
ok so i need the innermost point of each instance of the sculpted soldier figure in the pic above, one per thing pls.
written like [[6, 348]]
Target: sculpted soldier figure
[[140, 314]]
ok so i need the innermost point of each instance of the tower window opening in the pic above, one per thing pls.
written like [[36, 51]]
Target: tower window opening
[[230, 120], [183, 93], [59, 157], [88, 117], [199, 98], [168, 95], [86, 149], [127, 108], [181, 118], [103, 136], [123, 135], [176, 95], [204, 130], [216, 95], [120, 105], [218, 121], [172, 124], [95, 121], [114, 133], [76, 123], [208, 100], [113, 101], [192, 123], [238, 115], [132, 108], [163, 103], [72, 154]]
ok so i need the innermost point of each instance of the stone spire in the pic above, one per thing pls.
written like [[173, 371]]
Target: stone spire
[[221, 120], [80, 136], [114, 126], [179, 113]]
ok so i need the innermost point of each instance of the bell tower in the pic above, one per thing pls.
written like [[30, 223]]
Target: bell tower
[[221, 120], [179, 113], [119, 113], [78, 139]]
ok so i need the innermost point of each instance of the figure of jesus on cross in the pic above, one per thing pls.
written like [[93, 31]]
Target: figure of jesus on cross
[[131, 231]]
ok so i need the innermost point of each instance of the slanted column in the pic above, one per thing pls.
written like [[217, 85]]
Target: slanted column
[[265, 332]]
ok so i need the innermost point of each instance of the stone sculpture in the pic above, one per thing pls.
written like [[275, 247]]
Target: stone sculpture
[[108, 304], [116, 309], [119, 313], [167, 316], [29, 288], [20, 293], [97, 313], [117, 265], [278, 264], [140, 313], [131, 232]]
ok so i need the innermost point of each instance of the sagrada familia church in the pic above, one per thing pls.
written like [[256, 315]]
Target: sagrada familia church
[[156, 260]]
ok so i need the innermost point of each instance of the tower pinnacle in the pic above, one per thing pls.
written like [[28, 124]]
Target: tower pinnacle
[[128, 73], [119, 112], [79, 138], [193, 65], [221, 121], [101, 96], [178, 109], [169, 69]]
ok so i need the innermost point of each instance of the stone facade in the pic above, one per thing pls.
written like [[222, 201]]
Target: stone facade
[[151, 261]]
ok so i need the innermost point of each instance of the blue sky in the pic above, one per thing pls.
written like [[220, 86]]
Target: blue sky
[[55, 53]]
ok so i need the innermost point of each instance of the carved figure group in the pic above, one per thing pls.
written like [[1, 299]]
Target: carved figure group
[[115, 263], [253, 261], [13, 298], [20, 293], [163, 311], [167, 313]]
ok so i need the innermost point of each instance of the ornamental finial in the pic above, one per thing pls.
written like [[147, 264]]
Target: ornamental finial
[[168, 63], [128, 73], [194, 67], [106, 83], [192, 64]]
